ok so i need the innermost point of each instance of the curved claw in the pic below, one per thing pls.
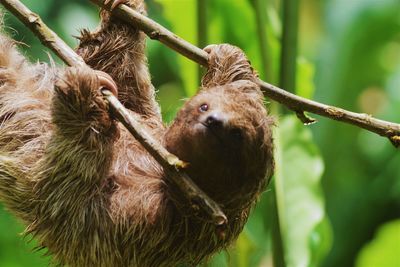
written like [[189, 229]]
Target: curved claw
[[209, 48], [115, 3], [106, 82]]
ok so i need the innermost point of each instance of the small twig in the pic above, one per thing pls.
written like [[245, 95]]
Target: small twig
[[296, 103], [173, 166]]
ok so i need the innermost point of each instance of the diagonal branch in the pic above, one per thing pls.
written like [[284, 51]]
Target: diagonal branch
[[171, 164], [295, 103]]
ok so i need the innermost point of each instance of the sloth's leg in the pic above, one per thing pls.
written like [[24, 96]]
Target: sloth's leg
[[119, 50]]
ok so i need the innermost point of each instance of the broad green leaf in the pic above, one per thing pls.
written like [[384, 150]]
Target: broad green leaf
[[181, 14], [299, 167], [383, 250], [305, 78], [320, 242]]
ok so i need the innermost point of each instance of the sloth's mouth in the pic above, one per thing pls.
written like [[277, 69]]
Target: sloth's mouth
[[223, 134], [217, 133]]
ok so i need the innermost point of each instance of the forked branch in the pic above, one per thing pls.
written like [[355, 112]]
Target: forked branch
[[295, 103], [173, 166]]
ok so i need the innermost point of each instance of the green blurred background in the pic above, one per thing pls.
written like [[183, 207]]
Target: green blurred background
[[336, 192]]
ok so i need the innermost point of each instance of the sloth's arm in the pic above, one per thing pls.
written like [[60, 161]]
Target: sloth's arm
[[119, 50], [227, 64], [72, 176]]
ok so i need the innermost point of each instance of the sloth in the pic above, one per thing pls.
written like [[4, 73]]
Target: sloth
[[88, 191]]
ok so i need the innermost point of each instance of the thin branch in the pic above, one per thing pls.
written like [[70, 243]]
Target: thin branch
[[295, 103], [172, 165]]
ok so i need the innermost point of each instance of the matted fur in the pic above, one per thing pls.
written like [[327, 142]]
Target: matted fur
[[86, 188]]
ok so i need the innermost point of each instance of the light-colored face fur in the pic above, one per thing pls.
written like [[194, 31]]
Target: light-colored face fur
[[224, 133]]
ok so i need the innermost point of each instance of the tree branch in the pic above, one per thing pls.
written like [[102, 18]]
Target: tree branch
[[295, 103], [173, 166]]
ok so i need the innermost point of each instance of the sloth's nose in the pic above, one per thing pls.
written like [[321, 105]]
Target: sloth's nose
[[215, 120]]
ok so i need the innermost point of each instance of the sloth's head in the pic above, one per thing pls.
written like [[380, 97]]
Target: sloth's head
[[224, 134]]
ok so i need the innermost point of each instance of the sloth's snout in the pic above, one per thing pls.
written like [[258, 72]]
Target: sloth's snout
[[215, 120]]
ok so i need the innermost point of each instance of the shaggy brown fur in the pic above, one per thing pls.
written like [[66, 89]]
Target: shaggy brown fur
[[87, 189]]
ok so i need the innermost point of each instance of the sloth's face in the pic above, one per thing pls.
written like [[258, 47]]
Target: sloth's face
[[213, 121], [223, 121], [224, 134]]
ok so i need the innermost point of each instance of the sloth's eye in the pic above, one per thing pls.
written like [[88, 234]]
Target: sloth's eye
[[203, 107]]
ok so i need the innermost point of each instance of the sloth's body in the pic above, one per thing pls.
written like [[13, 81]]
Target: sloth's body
[[86, 188]]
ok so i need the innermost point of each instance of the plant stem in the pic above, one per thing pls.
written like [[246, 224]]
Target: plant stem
[[290, 23], [278, 252], [277, 238], [266, 58], [201, 29]]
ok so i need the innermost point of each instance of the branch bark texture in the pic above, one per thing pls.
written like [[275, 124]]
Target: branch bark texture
[[295, 103], [198, 199]]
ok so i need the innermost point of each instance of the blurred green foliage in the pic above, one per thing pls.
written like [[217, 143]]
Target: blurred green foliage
[[337, 187], [380, 251]]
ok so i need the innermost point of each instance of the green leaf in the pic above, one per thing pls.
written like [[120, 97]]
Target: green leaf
[[383, 250], [320, 242], [181, 15], [299, 167], [305, 78]]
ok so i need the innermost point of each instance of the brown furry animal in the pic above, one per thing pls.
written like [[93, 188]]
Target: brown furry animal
[[87, 189]]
